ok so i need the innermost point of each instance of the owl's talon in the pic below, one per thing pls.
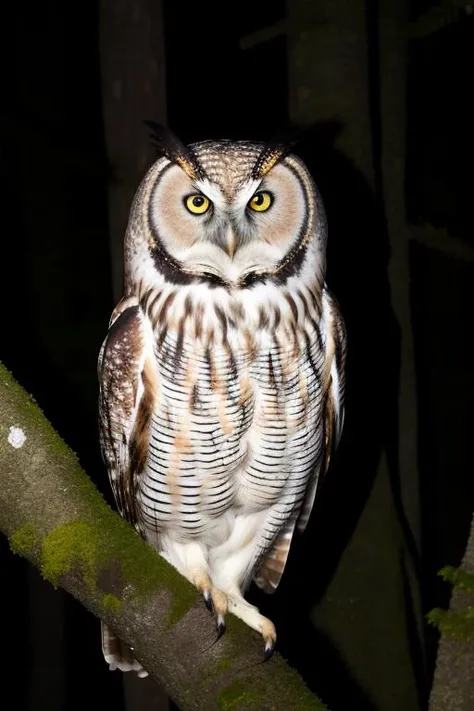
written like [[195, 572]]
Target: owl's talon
[[220, 606], [269, 648], [269, 635], [220, 626], [207, 599], [200, 578]]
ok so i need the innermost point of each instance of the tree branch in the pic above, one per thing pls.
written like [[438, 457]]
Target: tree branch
[[55, 517], [441, 240], [453, 685]]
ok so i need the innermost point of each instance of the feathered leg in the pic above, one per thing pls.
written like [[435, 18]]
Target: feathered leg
[[230, 566], [190, 560]]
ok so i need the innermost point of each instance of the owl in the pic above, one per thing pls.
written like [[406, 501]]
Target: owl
[[222, 373]]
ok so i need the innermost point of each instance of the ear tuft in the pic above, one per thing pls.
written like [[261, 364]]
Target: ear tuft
[[272, 154], [170, 146]]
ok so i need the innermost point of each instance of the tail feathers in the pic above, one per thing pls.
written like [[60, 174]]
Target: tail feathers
[[118, 655], [269, 574]]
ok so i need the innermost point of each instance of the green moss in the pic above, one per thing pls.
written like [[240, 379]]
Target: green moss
[[458, 625], [69, 545], [296, 688], [112, 603], [238, 694], [235, 695], [458, 578], [223, 665], [24, 539], [93, 545], [145, 571]]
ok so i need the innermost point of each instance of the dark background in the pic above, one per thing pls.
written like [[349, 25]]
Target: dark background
[[379, 95]]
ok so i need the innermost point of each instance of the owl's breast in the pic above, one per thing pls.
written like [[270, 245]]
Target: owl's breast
[[284, 441], [197, 442], [234, 428]]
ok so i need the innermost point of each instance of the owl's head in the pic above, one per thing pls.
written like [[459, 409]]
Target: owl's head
[[231, 213]]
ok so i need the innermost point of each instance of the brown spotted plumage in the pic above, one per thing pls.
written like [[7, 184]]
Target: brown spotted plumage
[[222, 374]]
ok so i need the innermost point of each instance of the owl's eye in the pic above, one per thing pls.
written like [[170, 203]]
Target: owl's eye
[[261, 201], [197, 204]]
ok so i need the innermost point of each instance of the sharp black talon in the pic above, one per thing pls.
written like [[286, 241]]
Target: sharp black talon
[[220, 627], [208, 600], [268, 652]]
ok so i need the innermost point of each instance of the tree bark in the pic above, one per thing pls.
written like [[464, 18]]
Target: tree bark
[[132, 59], [393, 41], [328, 73], [453, 685], [405, 473], [54, 517]]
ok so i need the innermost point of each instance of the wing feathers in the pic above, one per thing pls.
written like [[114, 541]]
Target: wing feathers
[[271, 570], [126, 401], [141, 433], [333, 384], [272, 567]]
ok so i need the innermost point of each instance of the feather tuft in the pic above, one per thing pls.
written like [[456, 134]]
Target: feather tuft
[[269, 157], [170, 146]]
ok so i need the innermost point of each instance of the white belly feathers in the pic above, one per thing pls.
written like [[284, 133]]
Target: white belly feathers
[[236, 428]]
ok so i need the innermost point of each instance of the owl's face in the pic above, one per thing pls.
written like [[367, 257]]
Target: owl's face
[[230, 211]]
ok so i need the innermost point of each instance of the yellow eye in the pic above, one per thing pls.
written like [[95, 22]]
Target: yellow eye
[[197, 204], [261, 201]]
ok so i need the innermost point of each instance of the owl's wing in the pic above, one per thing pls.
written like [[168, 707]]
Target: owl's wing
[[333, 384], [126, 398]]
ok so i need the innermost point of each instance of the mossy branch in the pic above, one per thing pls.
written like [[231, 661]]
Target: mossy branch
[[458, 625], [453, 687], [54, 516]]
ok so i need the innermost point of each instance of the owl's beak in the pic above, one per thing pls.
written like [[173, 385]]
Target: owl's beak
[[230, 242]]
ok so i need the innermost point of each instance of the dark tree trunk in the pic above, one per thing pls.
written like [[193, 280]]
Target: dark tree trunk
[[345, 62], [133, 91]]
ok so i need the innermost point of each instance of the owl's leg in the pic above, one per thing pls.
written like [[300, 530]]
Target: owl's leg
[[252, 617], [190, 560], [229, 569]]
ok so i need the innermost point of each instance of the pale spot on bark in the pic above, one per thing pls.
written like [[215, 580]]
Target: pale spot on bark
[[16, 437]]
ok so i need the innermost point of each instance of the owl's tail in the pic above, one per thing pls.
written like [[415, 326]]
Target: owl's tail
[[117, 654]]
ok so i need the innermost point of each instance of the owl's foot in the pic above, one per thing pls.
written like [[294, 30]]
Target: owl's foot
[[220, 605], [214, 599], [252, 617]]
